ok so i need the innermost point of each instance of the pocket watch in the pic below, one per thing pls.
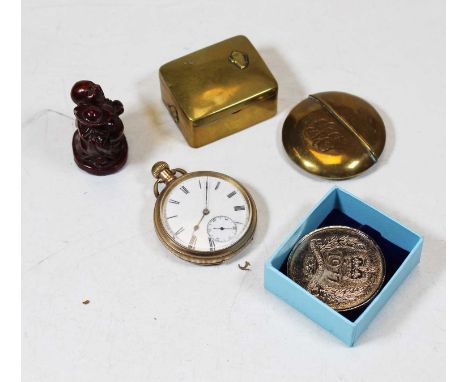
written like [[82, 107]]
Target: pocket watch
[[204, 217]]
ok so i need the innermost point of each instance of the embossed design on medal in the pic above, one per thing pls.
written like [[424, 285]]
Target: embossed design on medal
[[341, 266], [203, 217]]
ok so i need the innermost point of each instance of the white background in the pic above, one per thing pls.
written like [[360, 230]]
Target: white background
[[154, 317]]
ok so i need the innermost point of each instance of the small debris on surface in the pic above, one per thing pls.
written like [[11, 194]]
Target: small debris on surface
[[86, 302], [244, 267]]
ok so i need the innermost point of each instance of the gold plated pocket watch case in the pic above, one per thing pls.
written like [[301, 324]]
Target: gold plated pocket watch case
[[334, 135], [203, 217]]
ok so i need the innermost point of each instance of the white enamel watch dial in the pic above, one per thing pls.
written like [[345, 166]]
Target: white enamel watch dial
[[198, 210], [204, 217]]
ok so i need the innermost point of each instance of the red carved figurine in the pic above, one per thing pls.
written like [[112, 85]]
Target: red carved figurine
[[99, 144]]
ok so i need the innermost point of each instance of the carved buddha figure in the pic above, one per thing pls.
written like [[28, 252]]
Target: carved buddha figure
[[99, 144]]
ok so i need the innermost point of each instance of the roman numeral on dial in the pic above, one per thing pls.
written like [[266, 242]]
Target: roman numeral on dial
[[180, 230], [212, 244], [173, 201], [192, 242], [184, 189], [239, 208], [231, 194]]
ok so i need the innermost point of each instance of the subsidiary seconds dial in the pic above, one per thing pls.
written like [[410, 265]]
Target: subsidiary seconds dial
[[204, 217], [222, 229]]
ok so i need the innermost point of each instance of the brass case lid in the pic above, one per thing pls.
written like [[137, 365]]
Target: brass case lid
[[207, 91], [334, 135]]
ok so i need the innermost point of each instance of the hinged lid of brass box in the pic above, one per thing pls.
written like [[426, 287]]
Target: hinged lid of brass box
[[218, 90]]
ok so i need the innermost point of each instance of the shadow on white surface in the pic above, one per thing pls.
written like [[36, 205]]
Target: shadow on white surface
[[149, 126], [290, 90], [421, 285]]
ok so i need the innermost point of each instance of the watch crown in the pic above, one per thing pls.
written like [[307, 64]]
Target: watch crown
[[158, 167]]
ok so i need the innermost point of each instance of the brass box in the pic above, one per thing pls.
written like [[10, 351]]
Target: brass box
[[218, 90]]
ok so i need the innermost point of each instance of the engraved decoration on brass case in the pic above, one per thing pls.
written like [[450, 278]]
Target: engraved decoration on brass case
[[341, 266], [334, 135]]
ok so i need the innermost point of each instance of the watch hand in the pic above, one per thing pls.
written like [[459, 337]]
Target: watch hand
[[198, 224], [205, 212], [206, 194], [193, 239]]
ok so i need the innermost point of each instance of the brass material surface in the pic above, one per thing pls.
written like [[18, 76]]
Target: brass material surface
[[334, 135], [162, 171], [186, 253], [219, 90], [163, 174]]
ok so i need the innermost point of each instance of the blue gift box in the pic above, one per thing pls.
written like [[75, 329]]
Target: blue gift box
[[401, 248]]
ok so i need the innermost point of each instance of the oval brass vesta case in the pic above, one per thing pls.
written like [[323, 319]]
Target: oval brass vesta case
[[204, 217], [334, 135]]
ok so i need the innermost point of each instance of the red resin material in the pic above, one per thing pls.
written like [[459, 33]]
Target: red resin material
[[99, 144]]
